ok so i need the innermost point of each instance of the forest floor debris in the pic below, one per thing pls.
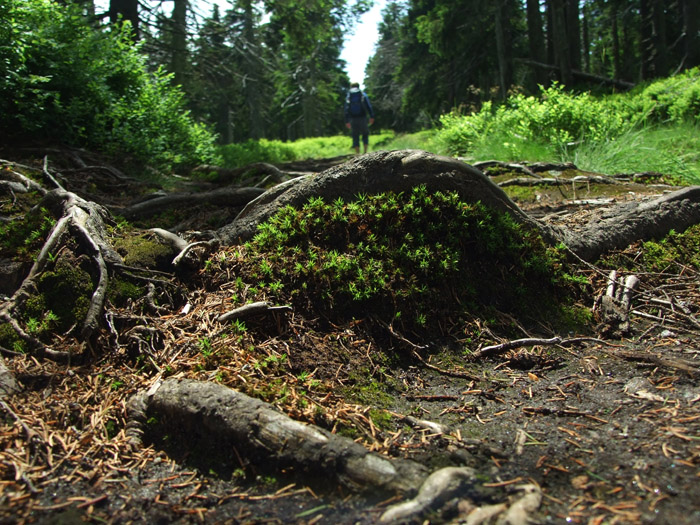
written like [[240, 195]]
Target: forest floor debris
[[596, 432]]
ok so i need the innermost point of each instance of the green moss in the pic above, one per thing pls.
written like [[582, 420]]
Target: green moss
[[10, 340], [369, 388], [25, 234], [390, 253], [670, 254], [120, 292], [144, 252], [381, 418], [63, 293]]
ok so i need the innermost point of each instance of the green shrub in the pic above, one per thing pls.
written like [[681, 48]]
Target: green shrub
[[62, 80], [562, 118]]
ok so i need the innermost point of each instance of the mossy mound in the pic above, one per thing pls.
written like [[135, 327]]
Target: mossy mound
[[145, 251], [419, 259]]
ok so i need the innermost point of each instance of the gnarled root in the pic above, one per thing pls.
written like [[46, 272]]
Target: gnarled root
[[223, 415]]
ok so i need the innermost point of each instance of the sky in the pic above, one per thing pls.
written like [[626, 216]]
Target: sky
[[358, 48]]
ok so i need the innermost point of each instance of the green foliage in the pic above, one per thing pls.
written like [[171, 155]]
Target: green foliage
[[672, 99], [23, 236], [652, 128], [62, 80], [263, 150], [557, 117], [395, 252], [671, 149], [205, 346]]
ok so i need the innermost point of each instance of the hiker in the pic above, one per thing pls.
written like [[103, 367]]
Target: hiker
[[357, 109]]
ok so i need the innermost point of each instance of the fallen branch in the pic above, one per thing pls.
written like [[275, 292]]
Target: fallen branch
[[489, 351], [251, 310]]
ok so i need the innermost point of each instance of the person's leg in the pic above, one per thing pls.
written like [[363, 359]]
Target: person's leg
[[365, 134], [355, 130]]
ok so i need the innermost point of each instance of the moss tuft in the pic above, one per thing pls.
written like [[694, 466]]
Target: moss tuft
[[144, 252], [63, 296]]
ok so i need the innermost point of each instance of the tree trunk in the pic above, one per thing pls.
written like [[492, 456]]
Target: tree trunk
[[535, 35], [653, 39], [586, 49], [615, 40], [659, 38], [179, 50], [561, 42], [573, 32], [550, 31], [126, 10], [691, 32], [253, 79], [504, 47]]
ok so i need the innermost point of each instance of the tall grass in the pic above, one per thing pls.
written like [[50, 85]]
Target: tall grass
[[672, 149], [653, 128]]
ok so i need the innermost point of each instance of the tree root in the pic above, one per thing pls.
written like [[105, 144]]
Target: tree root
[[228, 196], [501, 348], [82, 221], [439, 487], [225, 417], [269, 437]]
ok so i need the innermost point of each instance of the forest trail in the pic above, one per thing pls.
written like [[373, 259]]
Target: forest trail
[[605, 430]]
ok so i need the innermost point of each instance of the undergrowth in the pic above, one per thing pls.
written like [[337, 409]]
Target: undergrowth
[[653, 128]]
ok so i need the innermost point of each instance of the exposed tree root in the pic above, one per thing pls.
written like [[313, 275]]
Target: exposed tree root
[[399, 171], [229, 196], [82, 222], [251, 310], [269, 437], [379, 172], [624, 224]]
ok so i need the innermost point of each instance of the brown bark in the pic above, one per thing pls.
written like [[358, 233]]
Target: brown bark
[[504, 46], [562, 53], [268, 438], [179, 41], [691, 32], [536, 40]]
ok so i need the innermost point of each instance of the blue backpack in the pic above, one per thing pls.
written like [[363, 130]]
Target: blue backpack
[[355, 105]]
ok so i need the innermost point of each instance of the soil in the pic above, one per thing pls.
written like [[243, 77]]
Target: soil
[[608, 429]]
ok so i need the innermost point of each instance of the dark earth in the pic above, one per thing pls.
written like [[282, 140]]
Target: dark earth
[[607, 429]]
